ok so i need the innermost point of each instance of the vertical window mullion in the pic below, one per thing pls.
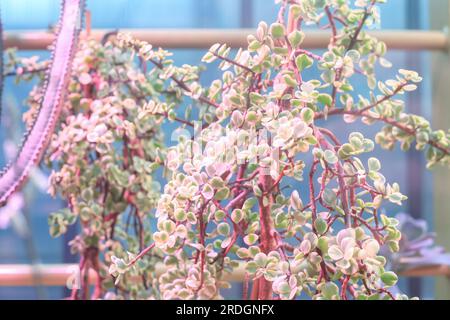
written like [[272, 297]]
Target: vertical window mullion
[[414, 160], [439, 11]]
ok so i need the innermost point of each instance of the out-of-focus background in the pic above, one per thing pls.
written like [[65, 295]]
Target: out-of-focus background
[[24, 237]]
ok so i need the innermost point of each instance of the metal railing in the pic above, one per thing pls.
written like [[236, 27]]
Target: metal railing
[[236, 38]]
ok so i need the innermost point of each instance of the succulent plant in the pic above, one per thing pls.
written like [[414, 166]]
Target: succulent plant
[[417, 246], [36, 139]]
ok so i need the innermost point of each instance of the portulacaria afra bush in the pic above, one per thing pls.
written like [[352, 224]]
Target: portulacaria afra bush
[[105, 156], [229, 200]]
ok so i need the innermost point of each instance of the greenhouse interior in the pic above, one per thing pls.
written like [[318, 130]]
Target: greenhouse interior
[[224, 150]]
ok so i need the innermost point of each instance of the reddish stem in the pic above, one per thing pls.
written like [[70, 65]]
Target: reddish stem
[[262, 288]]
